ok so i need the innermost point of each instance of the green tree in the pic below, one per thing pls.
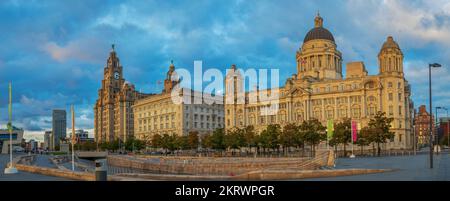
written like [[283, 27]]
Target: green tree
[[250, 138], [168, 142], [363, 138], [156, 141], [234, 139], [313, 133], [342, 133], [182, 142], [113, 145], [269, 137], [133, 144], [206, 141], [193, 140], [288, 136], [380, 130], [299, 138], [217, 139]]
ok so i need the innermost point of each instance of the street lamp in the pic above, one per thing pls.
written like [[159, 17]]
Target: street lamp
[[434, 65], [437, 134]]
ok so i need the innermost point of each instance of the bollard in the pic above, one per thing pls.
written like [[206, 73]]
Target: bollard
[[101, 170]]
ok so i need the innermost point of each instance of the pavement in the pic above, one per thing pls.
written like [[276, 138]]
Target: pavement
[[26, 176], [407, 168]]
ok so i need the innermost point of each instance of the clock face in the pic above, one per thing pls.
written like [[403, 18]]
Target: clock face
[[116, 75]]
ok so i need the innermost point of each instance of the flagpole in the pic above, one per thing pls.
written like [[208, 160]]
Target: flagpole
[[11, 169], [353, 136], [73, 139]]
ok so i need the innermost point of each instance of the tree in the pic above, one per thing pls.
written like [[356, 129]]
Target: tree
[[342, 133], [380, 130], [288, 136], [250, 138], [156, 141], [269, 137], [133, 144], [192, 140], [217, 139], [113, 145], [168, 142], [363, 138], [206, 141], [234, 139], [299, 138], [182, 142], [313, 132]]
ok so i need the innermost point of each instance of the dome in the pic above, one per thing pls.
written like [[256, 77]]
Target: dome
[[318, 33], [390, 43]]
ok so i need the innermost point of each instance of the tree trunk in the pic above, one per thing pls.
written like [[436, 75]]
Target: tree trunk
[[345, 150], [378, 148]]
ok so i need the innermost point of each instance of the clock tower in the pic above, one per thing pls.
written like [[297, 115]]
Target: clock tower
[[113, 117]]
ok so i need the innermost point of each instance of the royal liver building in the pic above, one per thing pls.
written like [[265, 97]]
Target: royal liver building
[[320, 91], [113, 116]]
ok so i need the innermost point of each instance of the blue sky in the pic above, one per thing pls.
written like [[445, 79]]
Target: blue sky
[[54, 51]]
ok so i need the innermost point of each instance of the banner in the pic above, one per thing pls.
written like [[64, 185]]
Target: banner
[[354, 131], [330, 129]]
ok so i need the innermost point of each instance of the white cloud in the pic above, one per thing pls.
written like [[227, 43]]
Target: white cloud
[[83, 49]]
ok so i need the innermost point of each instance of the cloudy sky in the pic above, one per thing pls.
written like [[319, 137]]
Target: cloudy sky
[[54, 51]]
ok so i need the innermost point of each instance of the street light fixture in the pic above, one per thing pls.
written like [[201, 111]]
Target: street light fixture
[[434, 65]]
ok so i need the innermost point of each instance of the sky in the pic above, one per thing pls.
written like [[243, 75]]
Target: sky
[[54, 51]]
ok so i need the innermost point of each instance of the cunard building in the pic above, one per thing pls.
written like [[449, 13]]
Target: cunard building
[[319, 90], [113, 116], [160, 114]]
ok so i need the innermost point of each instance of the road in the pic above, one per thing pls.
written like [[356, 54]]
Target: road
[[26, 176], [407, 168]]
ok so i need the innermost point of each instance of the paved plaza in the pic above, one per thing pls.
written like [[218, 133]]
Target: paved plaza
[[407, 168], [26, 176]]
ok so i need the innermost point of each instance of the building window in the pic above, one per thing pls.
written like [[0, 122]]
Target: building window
[[391, 110], [399, 96], [356, 112], [372, 110], [400, 110], [390, 97], [261, 120], [389, 84], [343, 112]]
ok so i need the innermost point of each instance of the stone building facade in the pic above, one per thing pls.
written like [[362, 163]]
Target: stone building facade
[[422, 125], [160, 114], [113, 116], [320, 91]]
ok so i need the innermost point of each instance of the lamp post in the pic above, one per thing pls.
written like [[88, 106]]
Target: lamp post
[[448, 135], [414, 132], [434, 65], [437, 128]]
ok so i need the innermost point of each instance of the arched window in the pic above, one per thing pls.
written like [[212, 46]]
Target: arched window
[[299, 115], [372, 109], [356, 111], [329, 113]]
